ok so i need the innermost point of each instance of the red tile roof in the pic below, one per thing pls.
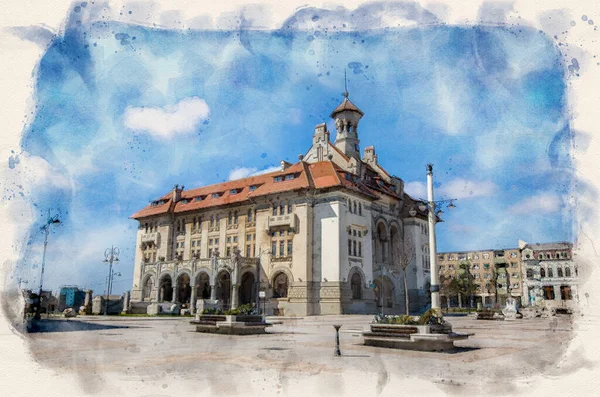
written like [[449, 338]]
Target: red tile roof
[[320, 175]]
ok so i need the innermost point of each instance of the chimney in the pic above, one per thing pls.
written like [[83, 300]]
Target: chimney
[[177, 193], [285, 165], [369, 156]]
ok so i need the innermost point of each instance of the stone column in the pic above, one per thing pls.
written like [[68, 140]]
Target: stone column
[[174, 297], [126, 302], [193, 299], [213, 292], [234, 296], [88, 301]]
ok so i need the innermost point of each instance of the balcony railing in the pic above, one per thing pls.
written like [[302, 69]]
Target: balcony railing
[[150, 238], [281, 220]]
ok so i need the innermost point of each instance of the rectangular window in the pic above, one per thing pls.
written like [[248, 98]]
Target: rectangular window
[[216, 241], [193, 243], [228, 251], [248, 251], [229, 239], [565, 293], [281, 248], [248, 237], [360, 249], [274, 248], [235, 239], [289, 247], [486, 265], [349, 247], [354, 247], [278, 179]]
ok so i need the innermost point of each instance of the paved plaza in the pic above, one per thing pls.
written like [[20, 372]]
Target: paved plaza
[[164, 356]]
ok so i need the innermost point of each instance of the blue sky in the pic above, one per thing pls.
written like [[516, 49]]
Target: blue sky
[[124, 112]]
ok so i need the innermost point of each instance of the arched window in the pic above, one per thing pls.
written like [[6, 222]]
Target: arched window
[[350, 205], [274, 209], [559, 272], [355, 208], [542, 272], [281, 208], [289, 208], [550, 273], [230, 218], [529, 273], [356, 286], [567, 271], [280, 285]]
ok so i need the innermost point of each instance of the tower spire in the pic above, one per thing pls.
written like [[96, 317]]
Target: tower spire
[[345, 85]]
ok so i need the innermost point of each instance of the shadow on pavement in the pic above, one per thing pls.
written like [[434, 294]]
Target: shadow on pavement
[[43, 326]]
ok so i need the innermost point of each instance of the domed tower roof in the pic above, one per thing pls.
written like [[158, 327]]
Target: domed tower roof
[[346, 105]]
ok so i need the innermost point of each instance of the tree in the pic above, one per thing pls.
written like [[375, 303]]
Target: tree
[[492, 285], [403, 255], [467, 284], [445, 288]]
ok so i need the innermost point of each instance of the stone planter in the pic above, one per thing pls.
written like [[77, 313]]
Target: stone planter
[[230, 324], [430, 337]]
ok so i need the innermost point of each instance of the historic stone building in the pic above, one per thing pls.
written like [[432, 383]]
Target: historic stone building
[[551, 275], [321, 236]]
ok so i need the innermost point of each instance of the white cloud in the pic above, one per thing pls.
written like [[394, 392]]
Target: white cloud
[[540, 203], [463, 189], [244, 172], [415, 189], [167, 121], [455, 189]]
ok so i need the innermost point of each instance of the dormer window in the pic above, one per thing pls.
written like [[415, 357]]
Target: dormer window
[[289, 177], [184, 201], [216, 195], [253, 188], [154, 203], [278, 179], [233, 191], [198, 198]]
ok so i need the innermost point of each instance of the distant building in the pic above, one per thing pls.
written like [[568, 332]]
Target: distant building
[[533, 274], [551, 275], [496, 273], [70, 297]]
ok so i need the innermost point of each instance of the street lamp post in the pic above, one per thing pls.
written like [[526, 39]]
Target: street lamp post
[[435, 283], [432, 215], [110, 255], [46, 229]]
